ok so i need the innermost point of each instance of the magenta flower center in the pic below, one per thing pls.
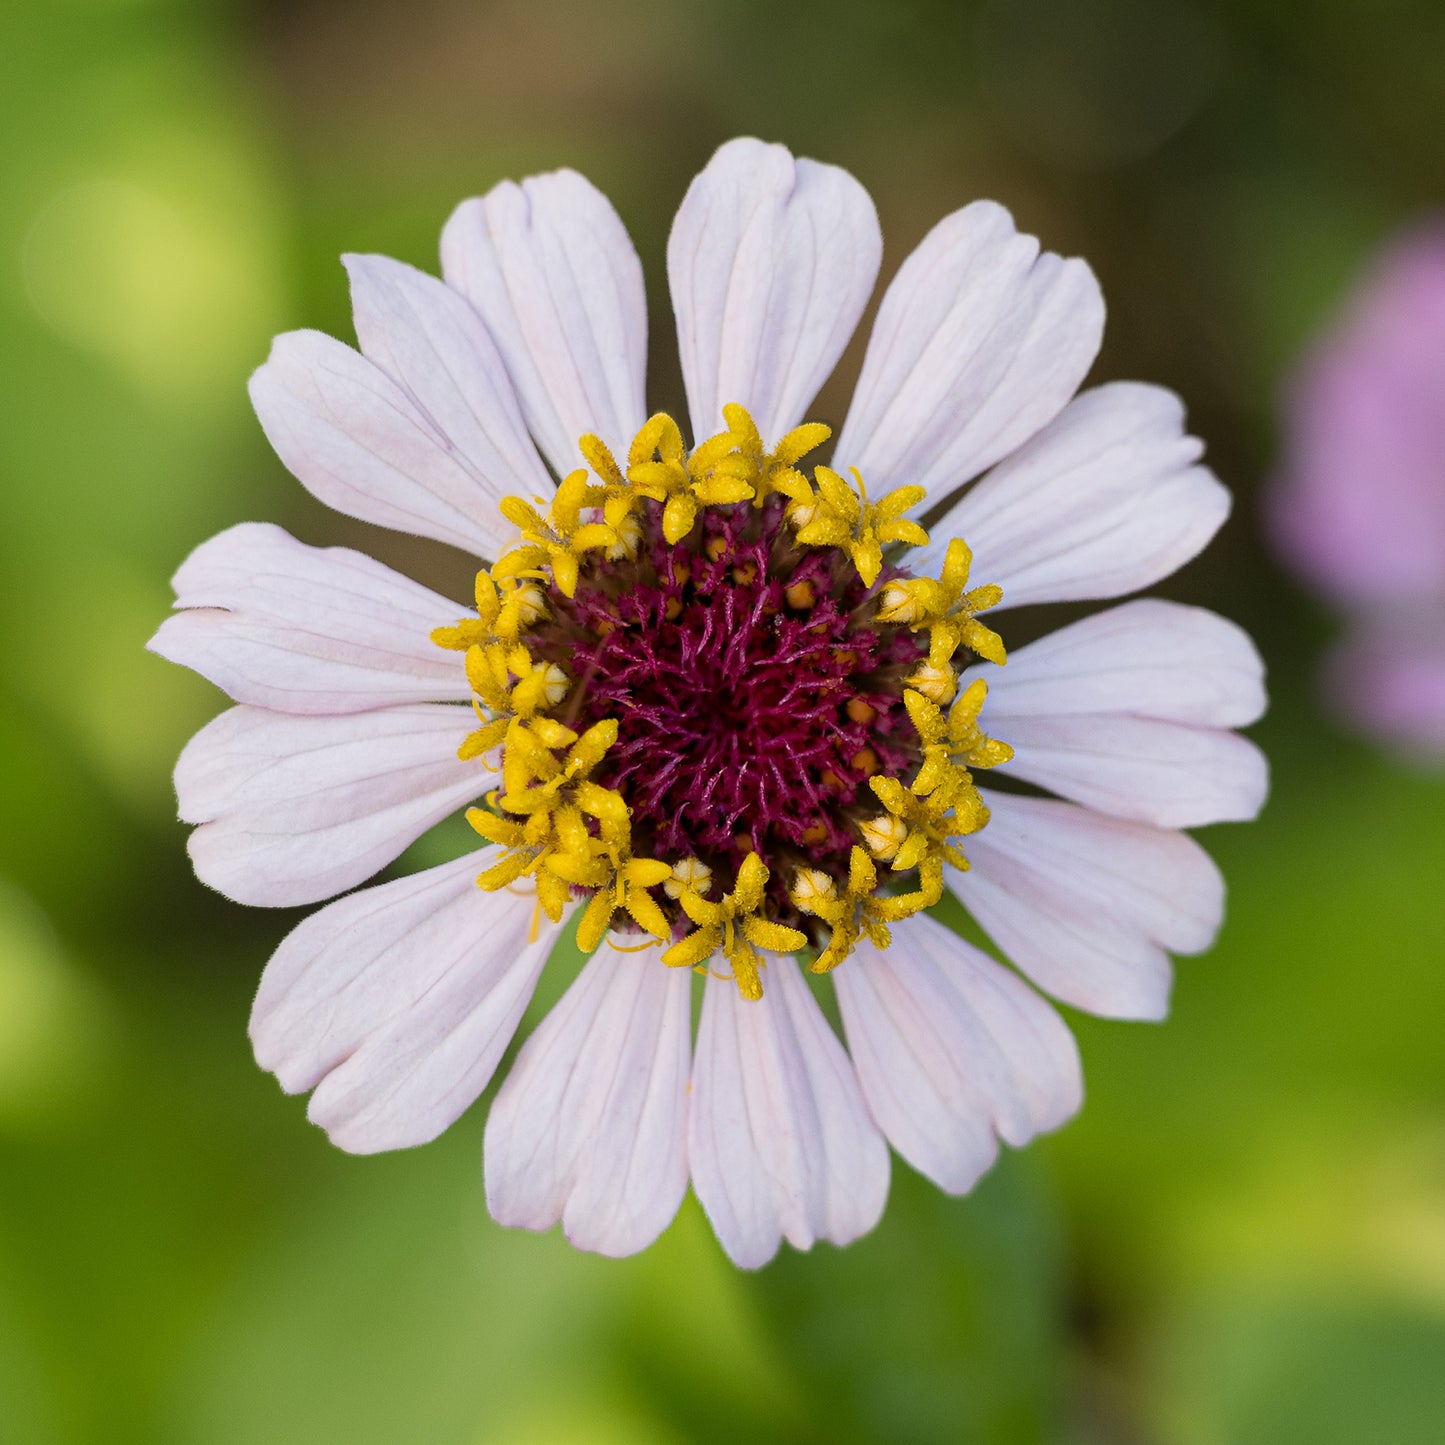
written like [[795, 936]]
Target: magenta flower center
[[714, 703], [754, 689]]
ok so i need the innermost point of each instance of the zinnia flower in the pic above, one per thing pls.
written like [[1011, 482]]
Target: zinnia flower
[[719, 707], [1360, 507]]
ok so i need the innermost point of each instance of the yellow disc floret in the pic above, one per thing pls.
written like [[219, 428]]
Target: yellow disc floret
[[834, 515], [735, 927], [572, 835]]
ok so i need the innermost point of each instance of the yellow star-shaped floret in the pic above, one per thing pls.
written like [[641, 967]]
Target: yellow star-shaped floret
[[836, 516], [954, 744], [561, 539], [858, 909], [947, 607], [734, 926], [952, 809], [502, 614]]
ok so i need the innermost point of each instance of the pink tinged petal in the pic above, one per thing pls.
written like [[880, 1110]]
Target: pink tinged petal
[[771, 262], [779, 1140], [953, 1052], [1100, 713], [549, 266], [979, 342], [396, 1003], [1106, 500], [1086, 904], [588, 1128], [432, 343], [295, 809], [353, 966], [1361, 508], [360, 443], [1388, 679], [302, 629], [1149, 658], [1165, 773]]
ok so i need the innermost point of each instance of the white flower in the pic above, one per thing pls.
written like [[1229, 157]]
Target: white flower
[[395, 1003]]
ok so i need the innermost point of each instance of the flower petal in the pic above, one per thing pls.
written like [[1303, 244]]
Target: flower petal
[[294, 809], [779, 1140], [303, 629], [1360, 508], [1387, 678], [588, 1127], [979, 342], [1148, 657], [1086, 905], [1165, 773], [431, 342], [771, 262], [551, 269], [350, 968], [356, 441], [952, 1050], [1104, 501], [396, 1003], [1121, 712]]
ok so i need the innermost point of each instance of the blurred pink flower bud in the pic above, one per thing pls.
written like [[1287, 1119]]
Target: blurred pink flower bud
[[1359, 509]]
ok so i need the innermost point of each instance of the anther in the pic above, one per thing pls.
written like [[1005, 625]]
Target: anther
[[935, 683], [864, 761], [884, 835]]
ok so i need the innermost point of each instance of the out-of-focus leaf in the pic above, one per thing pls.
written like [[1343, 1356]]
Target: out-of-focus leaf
[[1306, 1368], [943, 1325]]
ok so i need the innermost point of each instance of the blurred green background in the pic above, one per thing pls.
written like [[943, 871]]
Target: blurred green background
[[1241, 1240]]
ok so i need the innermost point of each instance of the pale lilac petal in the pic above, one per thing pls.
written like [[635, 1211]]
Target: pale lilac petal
[[549, 266], [431, 342], [953, 1051], [979, 342], [1086, 904], [1106, 500], [1120, 712], [1360, 508], [1150, 658], [771, 262], [356, 441], [1166, 773], [588, 1127], [396, 1003], [1388, 680], [351, 968], [302, 629], [779, 1140], [295, 809]]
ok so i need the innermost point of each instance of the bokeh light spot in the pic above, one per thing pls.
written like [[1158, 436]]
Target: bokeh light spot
[[51, 1019], [151, 278]]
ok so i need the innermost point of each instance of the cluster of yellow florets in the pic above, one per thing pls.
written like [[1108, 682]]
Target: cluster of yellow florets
[[567, 832]]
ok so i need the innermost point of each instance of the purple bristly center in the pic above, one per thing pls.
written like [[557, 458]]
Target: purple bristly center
[[754, 690]]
